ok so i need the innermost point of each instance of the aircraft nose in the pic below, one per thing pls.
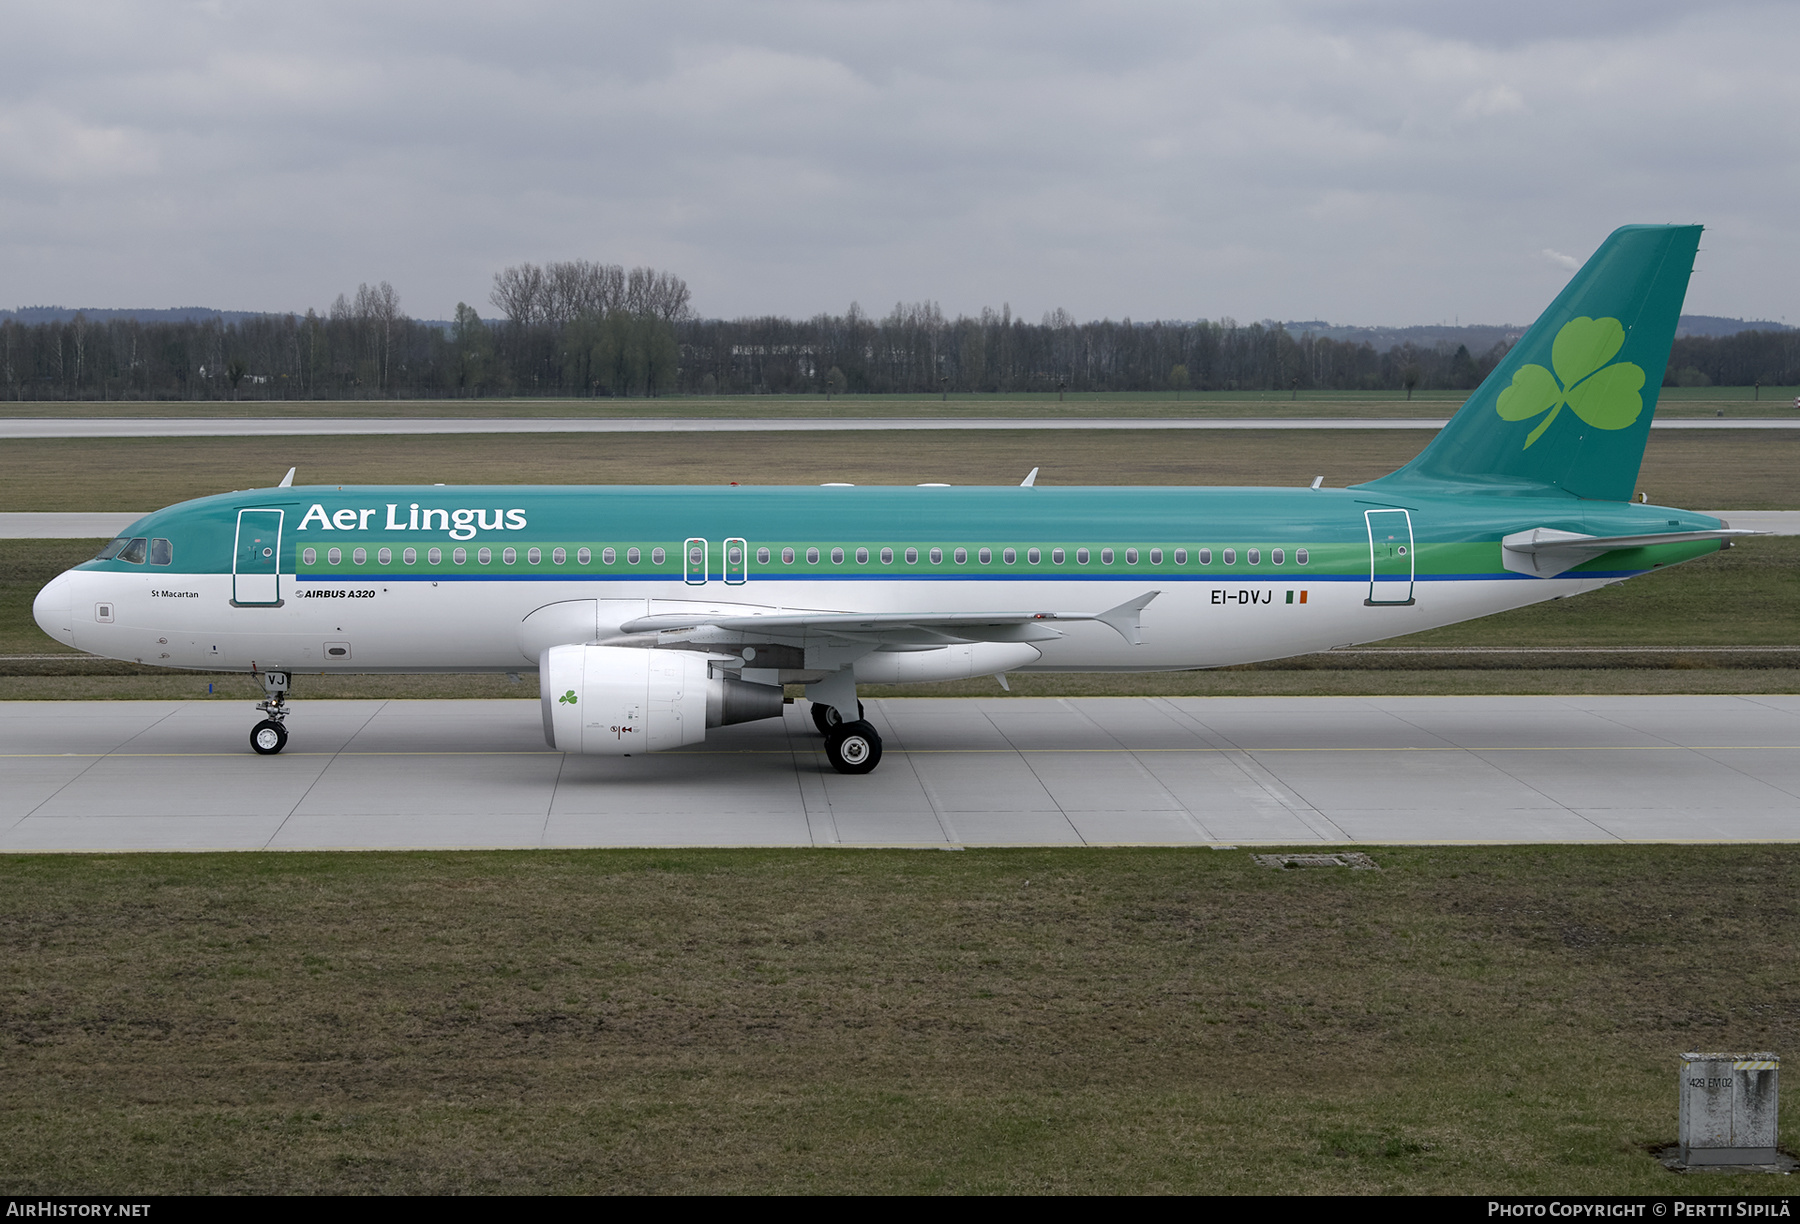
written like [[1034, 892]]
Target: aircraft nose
[[51, 609]]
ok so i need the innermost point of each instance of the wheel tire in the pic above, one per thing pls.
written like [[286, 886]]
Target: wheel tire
[[853, 748], [827, 719], [268, 737]]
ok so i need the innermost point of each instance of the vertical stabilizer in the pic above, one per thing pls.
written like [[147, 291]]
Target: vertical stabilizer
[[1568, 410]]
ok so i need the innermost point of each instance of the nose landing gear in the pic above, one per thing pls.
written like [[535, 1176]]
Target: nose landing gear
[[270, 735]]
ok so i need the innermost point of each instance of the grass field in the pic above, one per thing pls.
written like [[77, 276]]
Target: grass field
[[1464, 1020], [1752, 470], [1671, 402]]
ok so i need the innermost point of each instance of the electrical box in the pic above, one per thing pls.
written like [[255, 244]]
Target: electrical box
[[1729, 1107]]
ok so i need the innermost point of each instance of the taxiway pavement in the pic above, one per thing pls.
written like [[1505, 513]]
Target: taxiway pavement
[[169, 775]]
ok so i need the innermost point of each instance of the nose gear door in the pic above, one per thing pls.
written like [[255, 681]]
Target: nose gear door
[[1391, 562], [256, 565]]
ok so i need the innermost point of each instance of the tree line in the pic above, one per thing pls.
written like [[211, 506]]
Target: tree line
[[585, 329]]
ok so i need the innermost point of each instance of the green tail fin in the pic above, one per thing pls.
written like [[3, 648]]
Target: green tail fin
[[1568, 411]]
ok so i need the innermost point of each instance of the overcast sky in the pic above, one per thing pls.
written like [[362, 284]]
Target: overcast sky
[[1377, 163]]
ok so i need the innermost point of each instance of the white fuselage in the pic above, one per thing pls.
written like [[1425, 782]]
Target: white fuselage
[[189, 621]]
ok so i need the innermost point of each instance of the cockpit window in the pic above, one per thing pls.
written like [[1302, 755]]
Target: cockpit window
[[161, 552], [134, 551], [113, 549]]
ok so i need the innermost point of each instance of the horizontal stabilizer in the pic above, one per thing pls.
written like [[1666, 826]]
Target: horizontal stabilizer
[[1545, 552]]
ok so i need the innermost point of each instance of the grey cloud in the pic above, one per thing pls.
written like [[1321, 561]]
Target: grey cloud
[[1360, 162]]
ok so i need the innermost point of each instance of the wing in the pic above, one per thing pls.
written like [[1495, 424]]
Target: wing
[[887, 629]]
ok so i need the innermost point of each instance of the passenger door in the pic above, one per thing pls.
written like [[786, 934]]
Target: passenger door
[[256, 565], [1391, 559]]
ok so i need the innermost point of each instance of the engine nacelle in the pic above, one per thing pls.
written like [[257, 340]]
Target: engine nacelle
[[611, 700]]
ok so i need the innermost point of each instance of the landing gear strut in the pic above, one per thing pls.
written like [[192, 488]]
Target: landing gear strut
[[270, 735]]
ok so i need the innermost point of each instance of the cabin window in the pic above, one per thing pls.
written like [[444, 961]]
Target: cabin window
[[435, 556], [657, 556], [534, 556], [583, 556], [1206, 556], [837, 556], [361, 556], [1056, 556], [633, 556], [985, 556], [787, 556], [912, 556], [485, 556], [1231, 556], [460, 556], [1299, 556], [1255, 556], [607, 555], [1010, 556], [1278, 556], [1181, 556], [937, 556], [1033, 556], [862, 556], [511, 555], [1106, 556], [887, 556], [411, 556], [1081, 556], [962, 556], [1156, 556], [385, 556], [696, 556], [161, 552], [812, 556], [113, 549], [134, 551], [337, 554], [310, 556], [762, 556], [1131, 556]]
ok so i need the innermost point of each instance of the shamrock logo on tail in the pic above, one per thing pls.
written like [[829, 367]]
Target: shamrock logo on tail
[[567, 698], [1605, 396]]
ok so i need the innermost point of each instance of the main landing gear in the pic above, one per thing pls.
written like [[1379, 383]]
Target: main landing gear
[[826, 717], [270, 735], [851, 747]]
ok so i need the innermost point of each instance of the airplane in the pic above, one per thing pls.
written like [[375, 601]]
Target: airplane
[[653, 614]]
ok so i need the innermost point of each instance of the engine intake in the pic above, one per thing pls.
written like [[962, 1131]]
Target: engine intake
[[611, 700]]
